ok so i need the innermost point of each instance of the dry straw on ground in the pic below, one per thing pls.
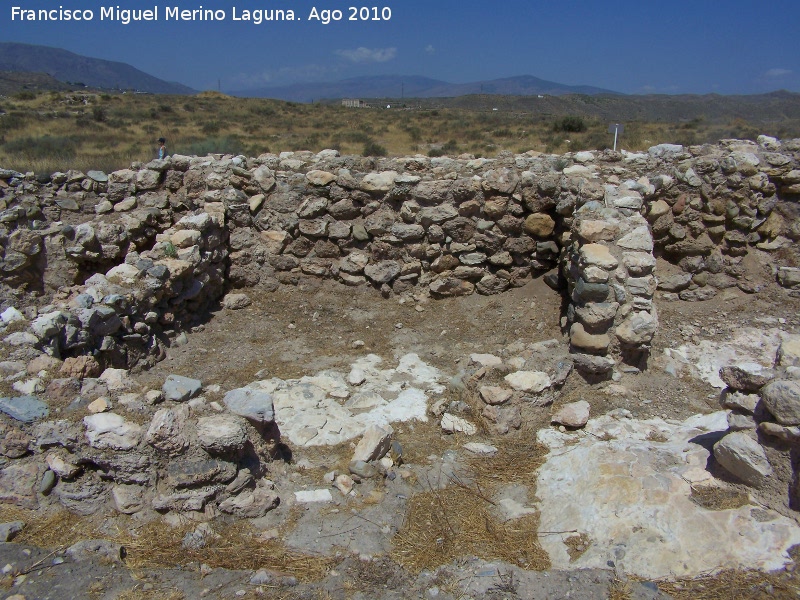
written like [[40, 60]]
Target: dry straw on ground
[[443, 524], [719, 498], [138, 594], [58, 529], [154, 545], [236, 548], [736, 585]]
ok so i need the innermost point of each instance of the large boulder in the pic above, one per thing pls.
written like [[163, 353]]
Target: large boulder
[[222, 434], [743, 457], [782, 399]]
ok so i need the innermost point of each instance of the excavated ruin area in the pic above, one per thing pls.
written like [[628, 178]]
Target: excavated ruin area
[[318, 376]]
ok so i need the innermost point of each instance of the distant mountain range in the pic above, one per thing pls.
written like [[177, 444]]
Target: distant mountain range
[[397, 86], [69, 67]]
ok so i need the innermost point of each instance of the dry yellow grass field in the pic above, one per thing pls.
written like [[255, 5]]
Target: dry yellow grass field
[[49, 131]]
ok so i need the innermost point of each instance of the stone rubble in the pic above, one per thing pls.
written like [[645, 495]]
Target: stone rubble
[[127, 263]]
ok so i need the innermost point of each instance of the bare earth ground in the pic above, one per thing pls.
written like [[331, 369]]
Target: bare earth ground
[[301, 331]]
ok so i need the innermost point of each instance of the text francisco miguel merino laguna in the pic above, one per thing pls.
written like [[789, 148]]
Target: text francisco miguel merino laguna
[[166, 13]]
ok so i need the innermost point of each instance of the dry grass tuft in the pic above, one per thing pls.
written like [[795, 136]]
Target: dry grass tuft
[[619, 589], [735, 585], [236, 548], [155, 545], [515, 462], [719, 498], [656, 436], [421, 440], [137, 594], [60, 529], [441, 525], [444, 524], [577, 545]]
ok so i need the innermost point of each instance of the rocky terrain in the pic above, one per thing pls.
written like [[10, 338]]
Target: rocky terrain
[[321, 376]]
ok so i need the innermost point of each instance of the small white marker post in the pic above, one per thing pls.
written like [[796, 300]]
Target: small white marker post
[[616, 129]]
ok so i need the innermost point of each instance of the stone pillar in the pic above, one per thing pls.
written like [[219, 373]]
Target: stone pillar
[[609, 267]]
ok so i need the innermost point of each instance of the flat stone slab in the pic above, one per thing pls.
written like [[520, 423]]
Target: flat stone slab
[[24, 408], [311, 496], [704, 360], [251, 403], [325, 409], [179, 388], [631, 494]]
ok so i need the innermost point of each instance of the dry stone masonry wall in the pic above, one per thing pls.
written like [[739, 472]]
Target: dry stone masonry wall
[[122, 262]]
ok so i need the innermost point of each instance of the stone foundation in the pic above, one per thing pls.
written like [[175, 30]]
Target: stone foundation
[[127, 259]]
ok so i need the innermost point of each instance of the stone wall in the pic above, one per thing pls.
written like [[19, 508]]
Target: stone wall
[[122, 261]]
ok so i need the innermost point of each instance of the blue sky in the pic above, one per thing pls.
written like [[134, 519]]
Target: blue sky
[[700, 46]]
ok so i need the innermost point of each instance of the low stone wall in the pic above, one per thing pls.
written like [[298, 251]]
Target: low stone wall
[[126, 259]]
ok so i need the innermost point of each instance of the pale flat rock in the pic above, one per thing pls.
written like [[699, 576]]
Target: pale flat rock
[[236, 301], [116, 380], [63, 468], [789, 351], [111, 431], [11, 315], [332, 383], [221, 433], [495, 395], [310, 411], [250, 504], [574, 414], [344, 483], [313, 496], [29, 387], [529, 381], [639, 239], [128, 499], [100, 405], [374, 443], [511, 509], [746, 377], [635, 506], [21, 338], [485, 360], [704, 360], [356, 376], [167, 431], [180, 389], [253, 404], [317, 177], [378, 182], [480, 449], [598, 255], [453, 424], [745, 403]]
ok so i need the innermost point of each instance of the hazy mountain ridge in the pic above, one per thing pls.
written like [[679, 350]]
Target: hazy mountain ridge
[[395, 86], [94, 72]]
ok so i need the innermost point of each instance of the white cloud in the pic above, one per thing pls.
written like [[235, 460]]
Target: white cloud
[[430, 49], [368, 55], [281, 76], [777, 73]]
